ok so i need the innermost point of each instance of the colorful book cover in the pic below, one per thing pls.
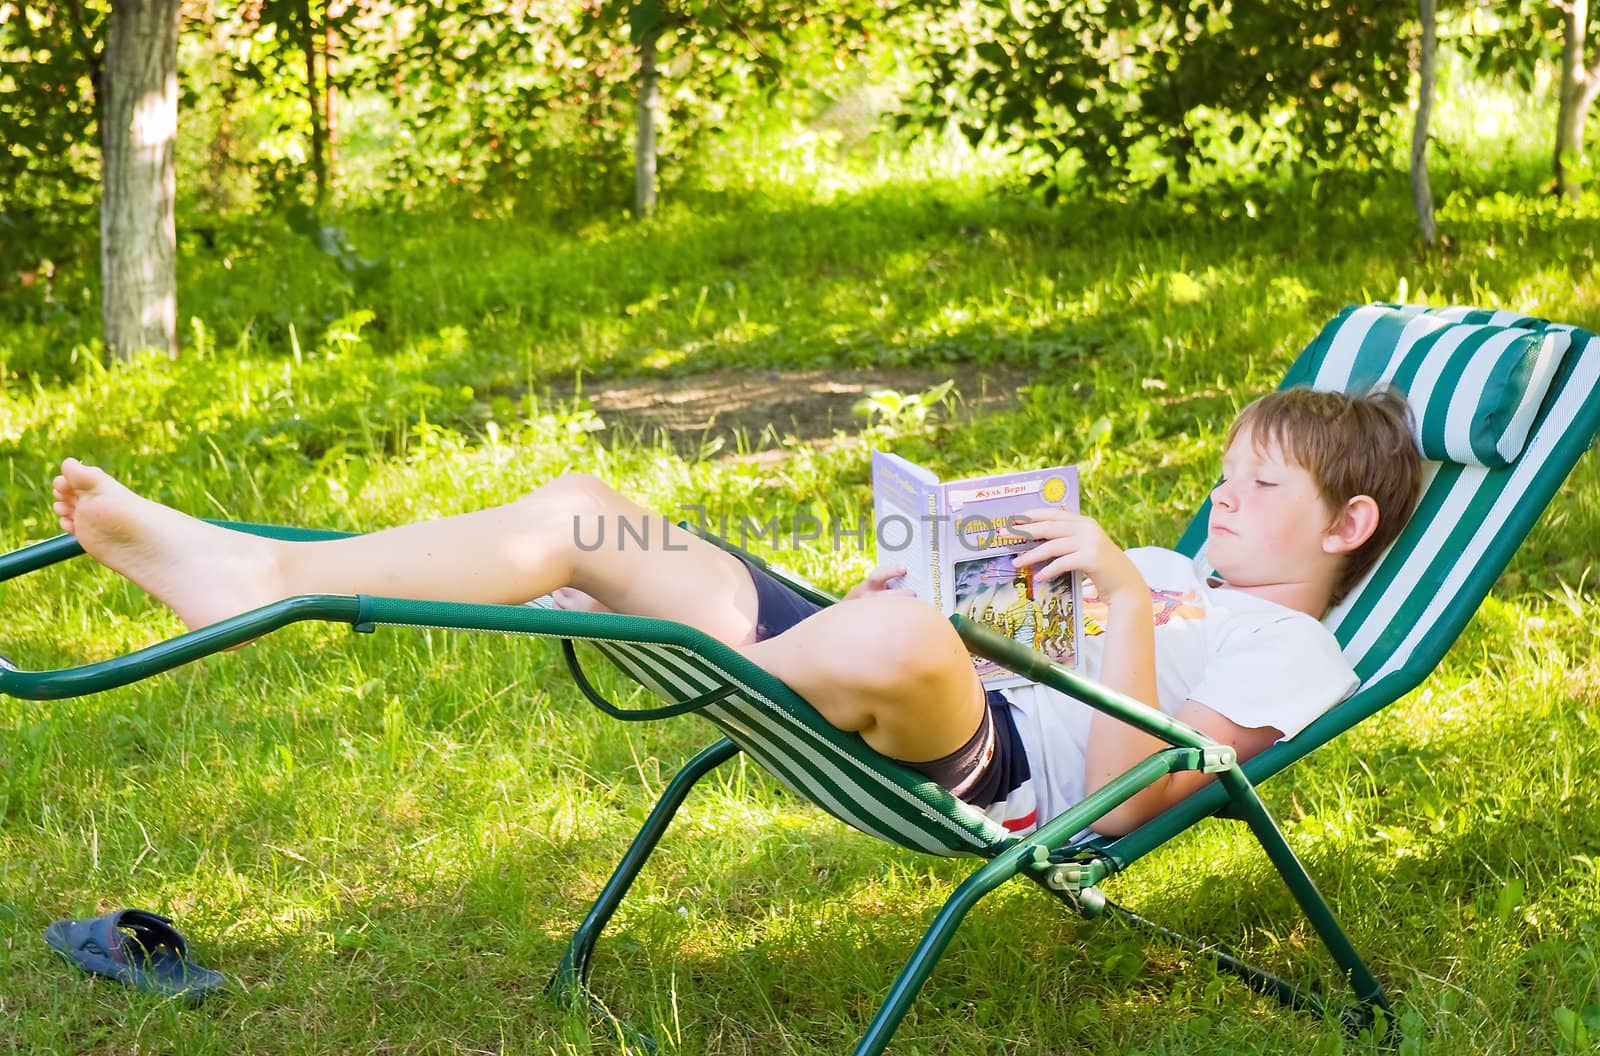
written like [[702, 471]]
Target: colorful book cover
[[958, 544]]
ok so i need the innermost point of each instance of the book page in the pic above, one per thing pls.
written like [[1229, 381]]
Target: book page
[[959, 543], [904, 498], [988, 587]]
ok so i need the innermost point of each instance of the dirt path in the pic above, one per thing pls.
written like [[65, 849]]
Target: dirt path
[[762, 407]]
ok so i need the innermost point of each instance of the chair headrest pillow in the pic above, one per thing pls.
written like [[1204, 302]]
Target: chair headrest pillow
[[1474, 388]]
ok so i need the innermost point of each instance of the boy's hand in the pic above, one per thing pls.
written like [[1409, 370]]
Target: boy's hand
[[1071, 542], [885, 579]]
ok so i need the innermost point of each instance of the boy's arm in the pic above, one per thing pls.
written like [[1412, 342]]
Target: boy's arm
[[1128, 665], [1114, 746], [885, 579], [1072, 542]]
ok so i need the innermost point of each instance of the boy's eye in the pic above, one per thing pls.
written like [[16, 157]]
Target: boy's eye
[[1265, 484]]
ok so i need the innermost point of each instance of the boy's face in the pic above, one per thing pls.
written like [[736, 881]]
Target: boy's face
[[1268, 521]]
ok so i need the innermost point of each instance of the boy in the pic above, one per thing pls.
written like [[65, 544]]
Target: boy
[[1314, 486]]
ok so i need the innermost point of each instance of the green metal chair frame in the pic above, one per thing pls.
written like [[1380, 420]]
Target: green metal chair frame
[[1395, 627]]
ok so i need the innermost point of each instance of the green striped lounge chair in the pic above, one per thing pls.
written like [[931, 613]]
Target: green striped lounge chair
[[1506, 405]]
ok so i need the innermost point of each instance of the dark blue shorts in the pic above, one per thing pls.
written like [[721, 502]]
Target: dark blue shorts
[[778, 606], [986, 769]]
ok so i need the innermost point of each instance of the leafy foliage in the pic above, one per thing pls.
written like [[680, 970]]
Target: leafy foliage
[[50, 60], [383, 837], [1513, 37], [550, 104], [1147, 91], [897, 409], [529, 100], [1519, 36], [333, 243]]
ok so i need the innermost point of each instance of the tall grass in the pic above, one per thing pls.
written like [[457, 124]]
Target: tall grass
[[386, 839]]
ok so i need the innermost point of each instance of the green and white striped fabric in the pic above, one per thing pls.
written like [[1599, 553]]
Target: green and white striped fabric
[[1469, 521], [1398, 622], [832, 769], [1395, 625], [1475, 385]]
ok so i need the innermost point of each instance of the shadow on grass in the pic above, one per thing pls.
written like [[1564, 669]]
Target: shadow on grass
[[761, 925], [1418, 907], [795, 938], [1094, 300]]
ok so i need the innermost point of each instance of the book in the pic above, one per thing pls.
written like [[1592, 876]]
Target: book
[[958, 543]]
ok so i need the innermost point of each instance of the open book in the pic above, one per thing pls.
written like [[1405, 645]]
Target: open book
[[957, 542]]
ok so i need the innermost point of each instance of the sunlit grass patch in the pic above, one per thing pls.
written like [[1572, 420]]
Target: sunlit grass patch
[[386, 839]]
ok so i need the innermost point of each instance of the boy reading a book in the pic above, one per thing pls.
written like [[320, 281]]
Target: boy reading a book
[[1314, 486]]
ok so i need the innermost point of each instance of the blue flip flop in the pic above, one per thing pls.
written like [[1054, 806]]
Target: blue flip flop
[[136, 948]]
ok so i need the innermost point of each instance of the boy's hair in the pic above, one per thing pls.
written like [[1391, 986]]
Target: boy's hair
[[1351, 445]]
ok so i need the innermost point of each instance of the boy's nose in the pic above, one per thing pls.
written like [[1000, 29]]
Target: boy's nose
[[1222, 495]]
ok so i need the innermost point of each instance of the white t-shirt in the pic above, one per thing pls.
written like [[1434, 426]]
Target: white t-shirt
[[1250, 660]]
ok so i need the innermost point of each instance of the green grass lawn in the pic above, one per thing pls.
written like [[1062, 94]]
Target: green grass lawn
[[385, 840]]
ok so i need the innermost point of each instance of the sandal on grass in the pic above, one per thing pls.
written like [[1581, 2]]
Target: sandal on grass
[[136, 948]]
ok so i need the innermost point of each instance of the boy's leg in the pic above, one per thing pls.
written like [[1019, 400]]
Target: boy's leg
[[575, 531], [890, 668]]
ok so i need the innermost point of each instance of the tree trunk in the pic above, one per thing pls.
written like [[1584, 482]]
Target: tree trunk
[[319, 135], [1577, 92], [644, 147], [1421, 191], [138, 128], [327, 98], [219, 155]]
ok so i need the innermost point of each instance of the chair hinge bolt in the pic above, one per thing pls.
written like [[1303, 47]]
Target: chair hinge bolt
[[1069, 876]]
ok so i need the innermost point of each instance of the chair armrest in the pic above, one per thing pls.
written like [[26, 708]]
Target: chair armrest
[[38, 555], [1015, 656], [363, 612], [175, 652], [61, 547]]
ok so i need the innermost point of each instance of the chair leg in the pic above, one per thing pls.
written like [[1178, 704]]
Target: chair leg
[[1368, 992], [1031, 855], [920, 965], [570, 984]]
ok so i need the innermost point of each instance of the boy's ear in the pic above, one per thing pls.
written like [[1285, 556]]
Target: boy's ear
[[1353, 526]]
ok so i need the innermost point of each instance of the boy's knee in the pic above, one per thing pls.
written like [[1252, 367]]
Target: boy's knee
[[580, 492], [907, 639], [910, 624]]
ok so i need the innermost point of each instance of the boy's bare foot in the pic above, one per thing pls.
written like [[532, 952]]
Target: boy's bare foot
[[202, 572]]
